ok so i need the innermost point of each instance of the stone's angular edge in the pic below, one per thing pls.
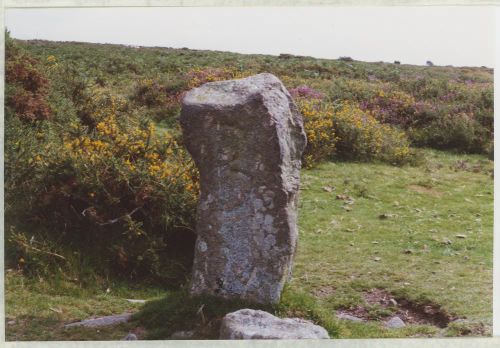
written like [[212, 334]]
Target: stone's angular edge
[[229, 93], [256, 324], [246, 137]]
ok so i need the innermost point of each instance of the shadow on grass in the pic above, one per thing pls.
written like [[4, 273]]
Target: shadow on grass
[[203, 314]]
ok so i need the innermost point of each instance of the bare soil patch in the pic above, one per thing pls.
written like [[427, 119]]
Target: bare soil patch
[[427, 190], [324, 291], [410, 312]]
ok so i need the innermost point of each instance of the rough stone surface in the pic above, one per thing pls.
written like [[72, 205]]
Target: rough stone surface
[[246, 137], [102, 321], [254, 324], [395, 323]]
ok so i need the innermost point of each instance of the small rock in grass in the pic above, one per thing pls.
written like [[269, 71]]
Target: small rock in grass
[[135, 301], [462, 236], [182, 335], [385, 216], [11, 322], [377, 259], [393, 302], [102, 321], [256, 324], [328, 188], [130, 337], [343, 316], [395, 323]]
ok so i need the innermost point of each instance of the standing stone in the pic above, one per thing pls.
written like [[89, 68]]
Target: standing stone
[[246, 137]]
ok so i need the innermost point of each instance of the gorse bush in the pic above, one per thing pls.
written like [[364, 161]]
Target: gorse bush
[[320, 131], [108, 186], [348, 132], [118, 189]]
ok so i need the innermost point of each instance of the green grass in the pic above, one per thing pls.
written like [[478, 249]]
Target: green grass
[[37, 309], [400, 235], [414, 252]]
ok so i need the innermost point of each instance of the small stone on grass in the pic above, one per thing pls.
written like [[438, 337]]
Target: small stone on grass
[[343, 316], [182, 335], [130, 337], [395, 323]]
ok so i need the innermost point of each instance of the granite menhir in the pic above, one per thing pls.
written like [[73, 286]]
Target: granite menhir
[[246, 137]]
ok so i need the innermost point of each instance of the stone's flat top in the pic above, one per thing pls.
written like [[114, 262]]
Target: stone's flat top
[[230, 92], [102, 321], [256, 324]]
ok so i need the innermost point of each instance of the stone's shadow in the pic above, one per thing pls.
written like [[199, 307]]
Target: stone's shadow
[[179, 315], [179, 255], [179, 312]]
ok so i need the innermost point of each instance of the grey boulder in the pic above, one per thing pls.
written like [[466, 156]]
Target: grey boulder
[[395, 323], [256, 324]]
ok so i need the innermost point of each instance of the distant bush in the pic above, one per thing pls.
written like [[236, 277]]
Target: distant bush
[[27, 85], [453, 131], [343, 89], [306, 92], [457, 117], [394, 107], [151, 93], [197, 76], [348, 132], [346, 59], [285, 56]]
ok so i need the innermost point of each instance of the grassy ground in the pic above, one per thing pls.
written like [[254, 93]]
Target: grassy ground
[[422, 235]]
